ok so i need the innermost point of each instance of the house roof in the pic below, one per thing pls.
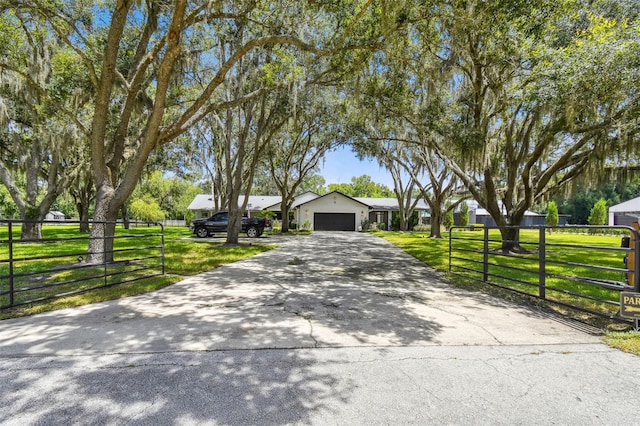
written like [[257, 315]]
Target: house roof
[[474, 205], [630, 206], [201, 202], [300, 199], [388, 203], [272, 202], [333, 193], [260, 202], [255, 202], [483, 212]]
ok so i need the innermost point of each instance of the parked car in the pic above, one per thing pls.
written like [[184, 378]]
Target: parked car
[[217, 224]]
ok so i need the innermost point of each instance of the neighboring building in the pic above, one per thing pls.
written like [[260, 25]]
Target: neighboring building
[[530, 218], [478, 215], [625, 213], [54, 215]]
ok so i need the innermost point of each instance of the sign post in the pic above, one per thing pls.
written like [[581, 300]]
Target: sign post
[[631, 256], [630, 306]]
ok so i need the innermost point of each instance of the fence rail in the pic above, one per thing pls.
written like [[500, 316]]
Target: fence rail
[[580, 267], [55, 263]]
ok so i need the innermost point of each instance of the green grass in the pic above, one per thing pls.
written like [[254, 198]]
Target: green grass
[[432, 251], [561, 249], [435, 253], [184, 256], [625, 341]]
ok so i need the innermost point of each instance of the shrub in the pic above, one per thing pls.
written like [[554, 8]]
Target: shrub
[[395, 221], [552, 218], [266, 214], [148, 211], [382, 227], [276, 227], [189, 215], [464, 214], [598, 215], [447, 222]]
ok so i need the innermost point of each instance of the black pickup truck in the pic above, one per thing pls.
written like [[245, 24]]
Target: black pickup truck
[[217, 224]]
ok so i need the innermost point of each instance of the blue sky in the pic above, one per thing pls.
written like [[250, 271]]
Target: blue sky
[[341, 165]]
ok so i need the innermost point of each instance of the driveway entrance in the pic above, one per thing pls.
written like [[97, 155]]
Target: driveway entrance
[[330, 328], [325, 290]]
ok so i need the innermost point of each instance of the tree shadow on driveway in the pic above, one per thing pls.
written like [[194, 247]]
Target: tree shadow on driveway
[[202, 350], [345, 289], [227, 387]]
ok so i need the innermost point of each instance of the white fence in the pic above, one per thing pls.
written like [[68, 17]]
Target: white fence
[[174, 222]]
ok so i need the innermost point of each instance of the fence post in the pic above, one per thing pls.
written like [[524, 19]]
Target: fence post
[[636, 266], [485, 260], [11, 282], [636, 260], [450, 247], [104, 251], [162, 243], [542, 263]]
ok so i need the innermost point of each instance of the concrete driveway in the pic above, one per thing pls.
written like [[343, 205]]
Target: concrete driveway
[[333, 328]]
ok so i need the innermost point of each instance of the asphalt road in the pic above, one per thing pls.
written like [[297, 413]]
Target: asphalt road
[[333, 328]]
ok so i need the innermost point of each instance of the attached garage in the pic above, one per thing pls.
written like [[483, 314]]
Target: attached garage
[[333, 212], [334, 221]]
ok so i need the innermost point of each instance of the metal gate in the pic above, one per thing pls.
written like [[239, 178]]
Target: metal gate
[[33, 270], [586, 273]]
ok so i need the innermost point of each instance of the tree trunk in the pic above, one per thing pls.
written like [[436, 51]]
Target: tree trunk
[[101, 241], [402, 217], [511, 231], [103, 229], [284, 209], [83, 213], [126, 220], [82, 196], [436, 222], [33, 217], [510, 239], [234, 225], [31, 230]]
